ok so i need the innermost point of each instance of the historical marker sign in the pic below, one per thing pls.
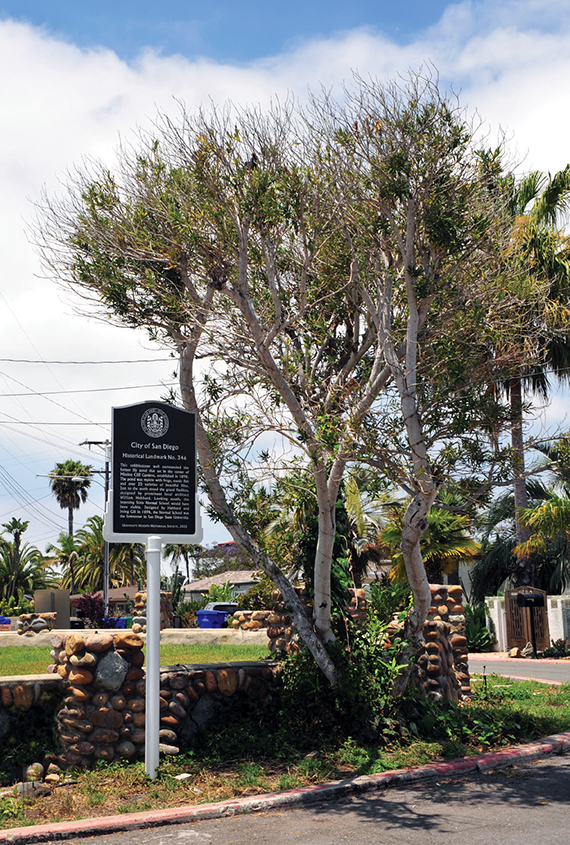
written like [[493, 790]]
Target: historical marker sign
[[153, 476]]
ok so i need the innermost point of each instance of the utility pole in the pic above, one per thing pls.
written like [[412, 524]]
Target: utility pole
[[106, 446]]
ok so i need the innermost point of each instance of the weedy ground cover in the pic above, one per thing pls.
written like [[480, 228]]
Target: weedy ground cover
[[34, 660], [242, 756]]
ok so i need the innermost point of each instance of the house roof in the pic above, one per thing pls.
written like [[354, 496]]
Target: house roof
[[234, 576]]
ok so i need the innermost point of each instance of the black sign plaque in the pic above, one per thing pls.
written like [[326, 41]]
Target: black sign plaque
[[153, 475]]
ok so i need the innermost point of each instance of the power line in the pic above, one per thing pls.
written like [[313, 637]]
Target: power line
[[86, 390], [34, 347], [31, 393], [56, 442], [134, 361], [13, 488], [36, 501], [26, 422]]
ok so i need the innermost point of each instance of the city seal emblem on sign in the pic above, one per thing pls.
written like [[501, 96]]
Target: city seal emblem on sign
[[154, 422]]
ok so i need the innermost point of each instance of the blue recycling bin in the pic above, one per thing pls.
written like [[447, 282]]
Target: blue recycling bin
[[211, 618]]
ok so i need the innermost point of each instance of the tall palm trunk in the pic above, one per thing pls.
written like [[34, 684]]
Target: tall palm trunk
[[72, 557], [15, 564], [522, 533]]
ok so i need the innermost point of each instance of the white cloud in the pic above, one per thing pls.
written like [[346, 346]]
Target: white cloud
[[509, 60]]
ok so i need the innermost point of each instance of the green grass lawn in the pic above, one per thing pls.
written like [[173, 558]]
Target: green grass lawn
[[34, 660]]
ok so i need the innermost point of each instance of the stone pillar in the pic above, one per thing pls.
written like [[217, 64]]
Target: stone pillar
[[139, 614], [443, 667]]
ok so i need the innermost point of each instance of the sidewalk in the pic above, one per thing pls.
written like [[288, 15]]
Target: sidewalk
[[333, 791]]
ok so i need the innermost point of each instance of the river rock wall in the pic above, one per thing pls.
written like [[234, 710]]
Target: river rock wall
[[190, 696], [102, 717], [104, 704], [281, 630], [36, 623]]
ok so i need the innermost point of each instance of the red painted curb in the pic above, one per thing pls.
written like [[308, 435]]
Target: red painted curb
[[556, 744], [525, 678]]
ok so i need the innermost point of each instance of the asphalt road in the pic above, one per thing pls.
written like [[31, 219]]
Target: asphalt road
[[558, 671], [524, 804]]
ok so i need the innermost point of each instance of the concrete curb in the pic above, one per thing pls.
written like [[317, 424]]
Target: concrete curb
[[334, 790]]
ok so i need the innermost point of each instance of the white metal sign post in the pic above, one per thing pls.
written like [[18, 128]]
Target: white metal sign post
[[152, 713], [153, 499]]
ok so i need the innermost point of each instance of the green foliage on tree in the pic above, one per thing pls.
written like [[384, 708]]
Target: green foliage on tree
[[445, 543], [81, 559], [222, 557], [184, 553], [333, 279], [535, 206], [23, 568]]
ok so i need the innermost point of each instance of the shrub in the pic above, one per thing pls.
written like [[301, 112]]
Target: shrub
[[363, 704], [479, 637], [90, 608], [387, 598], [260, 596], [187, 609], [559, 648], [221, 593]]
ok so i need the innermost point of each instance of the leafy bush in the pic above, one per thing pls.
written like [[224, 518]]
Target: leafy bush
[[559, 648], [260, 596], [222, 593], [388, 598], [362, 705], [90, 608], [187, 610], [14, 607], [479, 637]]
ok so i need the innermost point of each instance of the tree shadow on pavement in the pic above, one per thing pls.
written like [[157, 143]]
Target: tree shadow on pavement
[[435, 806]]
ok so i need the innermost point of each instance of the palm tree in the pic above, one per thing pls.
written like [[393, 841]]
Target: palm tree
[[534, 207], [16, 528], [23, 568], [548, 521], [496, 568], [83, 557], [69, 482], [444, 545], [178, 552], [65, 556]]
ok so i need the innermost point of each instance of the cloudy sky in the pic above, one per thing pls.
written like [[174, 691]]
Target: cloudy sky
[[77, 77]]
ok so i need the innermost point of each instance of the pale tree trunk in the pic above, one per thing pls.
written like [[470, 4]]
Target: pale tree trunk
[[322, 579], [420, 477], [326, 492], [240, 536], [414, 526]]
